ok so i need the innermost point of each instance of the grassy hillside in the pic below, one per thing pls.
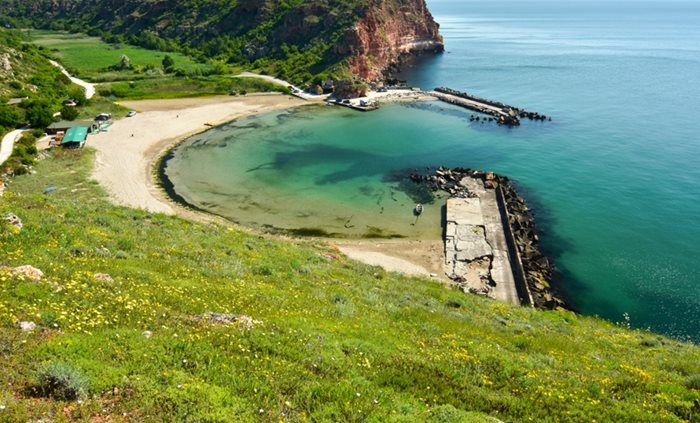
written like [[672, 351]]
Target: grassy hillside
[[24, 70], [286, 38], [93, 59], [120, 334], [90, 57], [27, 76]]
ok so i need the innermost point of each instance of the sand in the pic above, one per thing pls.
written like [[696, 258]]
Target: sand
[[414, 257], [127, 152]]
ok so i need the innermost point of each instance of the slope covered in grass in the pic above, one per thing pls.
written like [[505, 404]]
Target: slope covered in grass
[[90, 57], [27, 76], [325, 339]]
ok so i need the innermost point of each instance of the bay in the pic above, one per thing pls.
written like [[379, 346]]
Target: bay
[[614, 179]]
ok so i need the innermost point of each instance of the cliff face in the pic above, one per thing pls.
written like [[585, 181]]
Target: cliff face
[[387, 31], [283, 37]]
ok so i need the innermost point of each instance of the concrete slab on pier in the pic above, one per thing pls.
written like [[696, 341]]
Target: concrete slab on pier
[[476, 252], [470, 104]]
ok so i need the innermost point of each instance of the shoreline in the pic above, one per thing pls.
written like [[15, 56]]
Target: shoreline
[[128, 152], [130, 158]]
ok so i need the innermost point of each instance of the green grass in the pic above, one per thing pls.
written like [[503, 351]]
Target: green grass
[[336, 340], [186, 87], [99, 105], [88, 57]]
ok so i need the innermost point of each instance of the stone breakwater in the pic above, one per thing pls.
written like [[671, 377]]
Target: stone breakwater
[[533, 271], [501, 112]]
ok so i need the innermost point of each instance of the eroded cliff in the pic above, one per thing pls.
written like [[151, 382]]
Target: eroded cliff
[[387, 31]]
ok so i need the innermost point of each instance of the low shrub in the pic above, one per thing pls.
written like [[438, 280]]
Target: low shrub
[[693, 382], [60, 381]]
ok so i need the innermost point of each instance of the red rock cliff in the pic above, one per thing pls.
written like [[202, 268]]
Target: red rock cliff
[[387, 31]]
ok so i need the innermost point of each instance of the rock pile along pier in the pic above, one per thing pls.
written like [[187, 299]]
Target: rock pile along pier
[[502, 113], [491, 244]]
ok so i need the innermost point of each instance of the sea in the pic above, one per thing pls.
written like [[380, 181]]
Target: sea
[[613, 179]]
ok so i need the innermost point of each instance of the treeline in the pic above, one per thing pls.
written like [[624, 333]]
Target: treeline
[[292, 39]]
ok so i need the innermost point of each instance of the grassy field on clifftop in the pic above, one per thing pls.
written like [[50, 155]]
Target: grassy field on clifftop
[[325, 339]]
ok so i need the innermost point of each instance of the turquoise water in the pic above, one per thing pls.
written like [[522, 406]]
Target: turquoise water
[[614, 179]]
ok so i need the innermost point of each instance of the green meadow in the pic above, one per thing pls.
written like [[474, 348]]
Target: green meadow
[[122, 334], [186, 87], [88, 57]]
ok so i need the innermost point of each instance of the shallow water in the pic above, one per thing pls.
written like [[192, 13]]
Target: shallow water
[[614, 179]]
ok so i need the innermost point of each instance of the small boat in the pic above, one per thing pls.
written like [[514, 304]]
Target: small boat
[[418, 209]]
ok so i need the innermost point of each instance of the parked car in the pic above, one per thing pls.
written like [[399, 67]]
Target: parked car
[[103, 117], [131, 114]]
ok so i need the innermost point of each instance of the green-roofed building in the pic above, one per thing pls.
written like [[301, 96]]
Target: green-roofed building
[[75, 137], [64, 125]]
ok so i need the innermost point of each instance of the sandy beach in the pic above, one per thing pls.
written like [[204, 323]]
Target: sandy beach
[[127, 152], [412, 257]]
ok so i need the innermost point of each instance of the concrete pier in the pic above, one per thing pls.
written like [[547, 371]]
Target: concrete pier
[[476, 251], [354, 104], [502, 113]]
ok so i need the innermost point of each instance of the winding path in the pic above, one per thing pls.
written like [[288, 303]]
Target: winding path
[[296, 91], [8, 142], [89, 88]]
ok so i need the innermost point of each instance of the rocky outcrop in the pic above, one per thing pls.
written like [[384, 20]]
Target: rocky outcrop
[[386, 32], [241, 320], [28, 272]]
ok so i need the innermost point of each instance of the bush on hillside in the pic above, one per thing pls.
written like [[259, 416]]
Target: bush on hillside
[[60, 381], [693, 382], [38, 113], [69, 113], [10, 116]]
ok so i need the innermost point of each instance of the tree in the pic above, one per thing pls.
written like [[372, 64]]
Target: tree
[[124, 63], [10, 117], [69, 113], [38, 113], [77, 94], [168, 63]]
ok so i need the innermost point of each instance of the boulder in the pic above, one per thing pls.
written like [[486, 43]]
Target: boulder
[[210, 317], [27, 326], [14, 220], [103, 277], [28, 272]]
